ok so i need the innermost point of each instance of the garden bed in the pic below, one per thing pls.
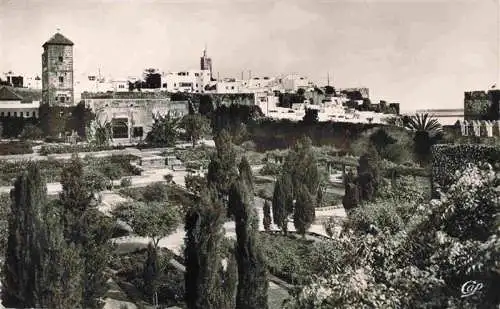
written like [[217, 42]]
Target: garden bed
[[56, 149]]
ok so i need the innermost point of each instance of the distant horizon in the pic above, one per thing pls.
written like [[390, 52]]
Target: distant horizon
[[422, 54]]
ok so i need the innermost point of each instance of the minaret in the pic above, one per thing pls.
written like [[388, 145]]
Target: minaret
[[206, 62]]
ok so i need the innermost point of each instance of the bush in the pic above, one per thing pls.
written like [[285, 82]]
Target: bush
[[126, 182], [447, 160], [271, 169], [56, 149]]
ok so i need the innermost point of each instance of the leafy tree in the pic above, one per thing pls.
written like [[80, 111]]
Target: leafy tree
[[245, 170], [196, 125], [164, 131], [22, 266], [311, 116], [329, 90], [155, 192], [81, 118], [252, 274], [100, 133], [381, 140], [152, 270], [152, 79], [300, 91], [351, 196], [155, 220], [267, 216], [204, 236]]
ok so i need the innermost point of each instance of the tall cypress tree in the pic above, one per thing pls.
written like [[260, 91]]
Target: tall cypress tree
[[87, 228], [267, 216], [61, 280], [252, 272], [222, 170], [304, 212], [22, 268], [368, 174], [204, 236]]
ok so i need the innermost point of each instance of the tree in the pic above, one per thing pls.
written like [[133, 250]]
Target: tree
[[204, 236], [206, 105], [152, 79], [100, 132], [31, 132], [267, 215], [368, 174], [222, 170], [22, 268], [62, 267], [282, 202], [329, 90], [81, 118], [304, 212], [155, 192], [152, 270], [155, 220], [300, 91], [311, 116], [164, 131], [381, 140], [351, 196], [195, 183], [252, 274], [86, 228], [197, 126], [427, 132]]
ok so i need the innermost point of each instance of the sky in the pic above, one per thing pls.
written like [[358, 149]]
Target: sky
[[421, 53]]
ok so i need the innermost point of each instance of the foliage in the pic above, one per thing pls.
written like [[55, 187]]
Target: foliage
[[155, 192], [204, 236], [252, 273], [81, 117], [222, 170], [13, 148], [152, 219], [282, 202], [197, 126], [31, 132], [100, 133], [439, 246], [304, 212], [270, 169], [53, 149], [195, 183], [449, 159], [164, 131], [311, 116], [351, 197], [126, 182], [267, 220], [368, 174], [22, 266]]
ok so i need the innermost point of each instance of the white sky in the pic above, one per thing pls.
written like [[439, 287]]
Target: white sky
[[424, 54]]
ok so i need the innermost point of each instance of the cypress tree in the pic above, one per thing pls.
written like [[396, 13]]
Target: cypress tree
[[282, 202], [304, 212], [222, 170], [61, 280], [252, 272], [151, 271], [267, 216], [87, 228], [22, 267], [368, 174], [204, 236]]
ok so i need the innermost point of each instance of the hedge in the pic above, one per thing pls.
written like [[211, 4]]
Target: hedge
[[45, 150], [13, 148], [447, 159]]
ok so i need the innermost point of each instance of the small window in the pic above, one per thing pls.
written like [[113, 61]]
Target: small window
[[60, 58], [8, 114], [27, 114], [15, 114], [175, 85], [62, 99], [164, 85], [22, 114], [2, 114], [232, 87], [61, 79]]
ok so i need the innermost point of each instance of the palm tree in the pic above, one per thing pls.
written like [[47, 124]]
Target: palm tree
[[428, 131], [100, 132], [423, 122]]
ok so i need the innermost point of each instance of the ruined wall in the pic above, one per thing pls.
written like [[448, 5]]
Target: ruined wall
[[482, 105]]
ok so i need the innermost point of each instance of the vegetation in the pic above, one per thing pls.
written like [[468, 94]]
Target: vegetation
[[54, 149], [164, 131], [13, 148], [197, 126]]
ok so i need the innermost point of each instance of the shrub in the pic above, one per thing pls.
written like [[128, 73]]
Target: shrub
[[126, 182], [55, 149], [13, 148], [271, 169], [450, 159]]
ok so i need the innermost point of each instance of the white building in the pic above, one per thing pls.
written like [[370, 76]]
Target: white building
[[229, 85], [120, 85], [11, 105], [292, 82], [185, 81]]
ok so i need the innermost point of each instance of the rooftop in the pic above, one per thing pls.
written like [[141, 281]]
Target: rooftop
[[8, 95], [58, 39]]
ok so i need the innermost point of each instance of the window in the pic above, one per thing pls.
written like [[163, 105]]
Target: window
[[8, 114], [22, 114], [27, 114], [62, 99], [2, 114], [232, 87], [15, 114], [60, 58], [164, 85], [175, 85], [61, 79], [121, 86]]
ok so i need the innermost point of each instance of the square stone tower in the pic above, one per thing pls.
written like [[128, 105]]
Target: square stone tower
[[57, 71]]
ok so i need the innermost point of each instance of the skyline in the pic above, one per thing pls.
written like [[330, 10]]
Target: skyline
[[423, 54]]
